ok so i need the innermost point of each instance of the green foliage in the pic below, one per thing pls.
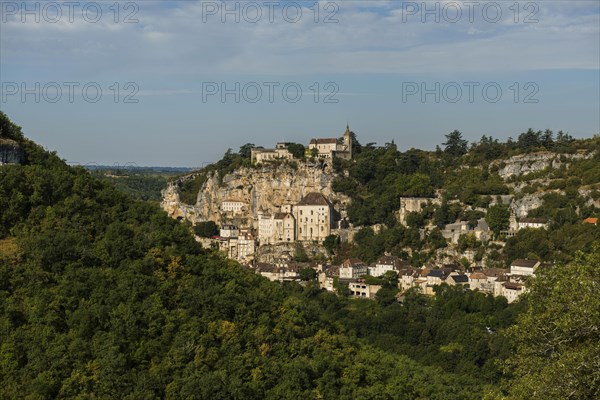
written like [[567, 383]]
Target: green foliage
[[455, 145], [298, 150], [206, 229], [498, 218], [188, 190], [332, 243], [300, 254], [307, 274], [557, 340], [559, 244], [8, 129], [469, 184], [102, 296], [378, 177], [138, 183], [246, 151]]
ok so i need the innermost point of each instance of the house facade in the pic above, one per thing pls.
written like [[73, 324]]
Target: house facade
[[313, 216]]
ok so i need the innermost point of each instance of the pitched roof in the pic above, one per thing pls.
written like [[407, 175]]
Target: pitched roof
[[313, 199], [460, 278], [533, 220], [437, 273], [493, 272], [513, 286], [392, 260], [350, 262], [323, 141], [591, 220], [524, 263], [478, 275]]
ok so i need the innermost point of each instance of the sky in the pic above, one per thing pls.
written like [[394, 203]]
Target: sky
[[177, 83]]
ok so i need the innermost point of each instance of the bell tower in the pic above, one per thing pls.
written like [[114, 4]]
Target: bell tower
[[348, 140]]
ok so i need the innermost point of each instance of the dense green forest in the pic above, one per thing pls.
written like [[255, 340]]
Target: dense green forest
[[104, 296], [139, 183]]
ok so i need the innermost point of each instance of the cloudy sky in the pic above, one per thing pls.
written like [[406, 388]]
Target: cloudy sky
[[178, 82]]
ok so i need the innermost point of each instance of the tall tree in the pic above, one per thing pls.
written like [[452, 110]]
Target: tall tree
[[558, 339], [498, 218], [455, 145]]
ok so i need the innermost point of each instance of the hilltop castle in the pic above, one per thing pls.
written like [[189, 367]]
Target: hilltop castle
[[323, 148]]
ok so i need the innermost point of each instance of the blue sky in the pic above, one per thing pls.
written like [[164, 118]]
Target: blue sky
[[545, 60]]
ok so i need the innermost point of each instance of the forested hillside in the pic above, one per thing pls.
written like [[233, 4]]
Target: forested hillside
[[103, 296]]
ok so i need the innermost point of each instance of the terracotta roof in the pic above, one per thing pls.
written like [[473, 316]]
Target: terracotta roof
[[478, 275], [314, 199], [524, 263], [591, 220]]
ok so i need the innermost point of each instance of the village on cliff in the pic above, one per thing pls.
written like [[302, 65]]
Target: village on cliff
[[266, 238]]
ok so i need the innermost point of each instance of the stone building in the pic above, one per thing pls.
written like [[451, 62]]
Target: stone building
[[279, 227], [413, 204], [532, 223], [313, 217], [233, 206], [260, 155], [353, 268], [387, 263], [330, 148]]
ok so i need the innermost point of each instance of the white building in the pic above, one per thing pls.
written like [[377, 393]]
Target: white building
[[313, 218], [246, 246], [512, 291], [330, 148], [532, 223], [524, 267], [229, 231], [385, 264], [233, 206], [353, 268], [261, 155], [279, 227], [362, 289]]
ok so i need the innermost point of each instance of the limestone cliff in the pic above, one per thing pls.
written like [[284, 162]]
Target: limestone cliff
[[266, 187], [524, 164]]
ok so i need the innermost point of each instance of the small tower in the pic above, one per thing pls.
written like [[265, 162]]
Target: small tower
[[348, 140]]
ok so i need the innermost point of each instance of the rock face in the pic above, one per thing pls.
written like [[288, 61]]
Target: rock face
[[266, 187], [522, 206], [10, 152], [524, 164]]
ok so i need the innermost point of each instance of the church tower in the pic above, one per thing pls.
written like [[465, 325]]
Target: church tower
[[348, 140]]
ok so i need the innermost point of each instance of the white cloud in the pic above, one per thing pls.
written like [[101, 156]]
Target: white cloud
[[371, 37]]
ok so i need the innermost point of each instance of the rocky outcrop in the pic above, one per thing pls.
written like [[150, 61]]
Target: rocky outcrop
[[524, 164], [520, 207], [266, 187], [10, 152]]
